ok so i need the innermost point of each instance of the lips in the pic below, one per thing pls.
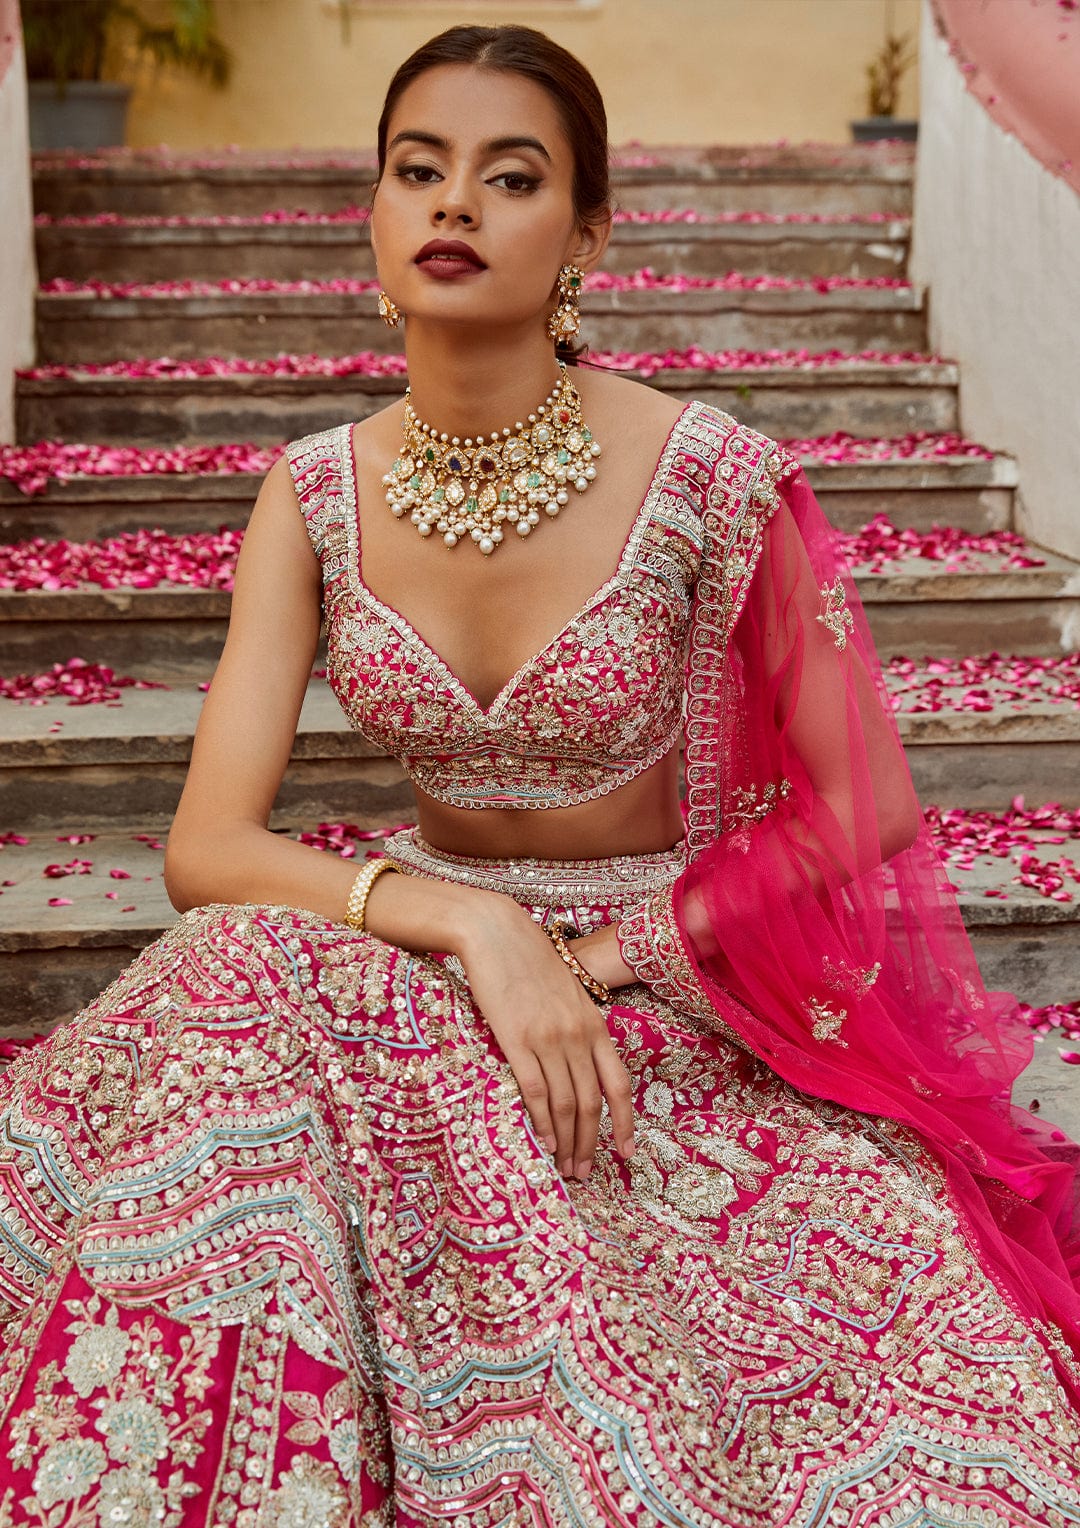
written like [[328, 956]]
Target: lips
[[450, 251]]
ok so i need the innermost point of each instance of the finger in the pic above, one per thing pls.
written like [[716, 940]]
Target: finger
[[562, 1104], [619, 1092], [534, 1093], [589, 1104]]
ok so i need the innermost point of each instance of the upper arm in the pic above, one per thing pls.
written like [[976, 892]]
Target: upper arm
[[248, 722]]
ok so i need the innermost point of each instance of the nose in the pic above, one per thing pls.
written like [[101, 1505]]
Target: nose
[[452, 213], [456, 203]]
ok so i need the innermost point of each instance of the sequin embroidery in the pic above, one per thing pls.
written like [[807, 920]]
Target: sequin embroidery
[[599, 704]]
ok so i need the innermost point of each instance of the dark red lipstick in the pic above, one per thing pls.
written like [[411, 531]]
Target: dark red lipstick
[[449, 257]]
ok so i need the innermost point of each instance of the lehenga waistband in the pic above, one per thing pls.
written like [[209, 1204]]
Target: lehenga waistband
[[617, 879]]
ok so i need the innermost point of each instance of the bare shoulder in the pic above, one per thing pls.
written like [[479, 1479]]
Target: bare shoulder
[[637, 408]]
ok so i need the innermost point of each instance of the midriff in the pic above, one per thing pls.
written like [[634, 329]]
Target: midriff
[[640, 817]]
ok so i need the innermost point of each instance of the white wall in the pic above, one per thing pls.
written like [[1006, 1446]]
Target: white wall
[[997, 239], [18, 267]]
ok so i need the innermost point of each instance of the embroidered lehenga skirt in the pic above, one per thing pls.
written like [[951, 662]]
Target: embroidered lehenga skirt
[[280, 1247]]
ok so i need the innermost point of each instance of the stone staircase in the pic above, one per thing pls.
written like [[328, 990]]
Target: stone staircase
[[115, 770]]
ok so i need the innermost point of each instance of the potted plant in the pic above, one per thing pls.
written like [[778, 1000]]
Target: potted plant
[[884, 73], [67, 43]]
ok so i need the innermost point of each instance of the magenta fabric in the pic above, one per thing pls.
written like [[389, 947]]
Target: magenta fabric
[[282, 1250], [827, 933]]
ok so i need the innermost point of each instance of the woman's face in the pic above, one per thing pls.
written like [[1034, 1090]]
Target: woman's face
[[479, 158]]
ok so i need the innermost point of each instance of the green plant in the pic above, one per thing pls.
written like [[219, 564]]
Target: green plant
[[69, 39], [884, 74]]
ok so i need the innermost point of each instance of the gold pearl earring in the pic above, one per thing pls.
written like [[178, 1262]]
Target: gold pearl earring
[[389, 311], [565, 322]]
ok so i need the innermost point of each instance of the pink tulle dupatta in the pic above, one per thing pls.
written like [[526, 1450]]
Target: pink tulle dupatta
[[815, 912]]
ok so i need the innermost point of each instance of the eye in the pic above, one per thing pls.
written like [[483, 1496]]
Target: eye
[[417, 174], [518, 183]]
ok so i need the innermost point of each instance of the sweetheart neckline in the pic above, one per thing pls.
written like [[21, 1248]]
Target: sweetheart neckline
[[406, 629]]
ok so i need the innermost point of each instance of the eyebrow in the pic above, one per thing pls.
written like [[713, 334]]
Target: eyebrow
[[492, 146]]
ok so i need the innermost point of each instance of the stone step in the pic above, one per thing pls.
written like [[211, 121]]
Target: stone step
[[834, 178], [53, 960], [920, 606], [973, 493], [111, 763], [73, 328], [63, 766], [173, 632], [283, 251], [866, 398]]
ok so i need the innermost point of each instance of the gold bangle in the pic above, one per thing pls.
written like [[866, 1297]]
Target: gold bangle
[[599, 991], [361, 890]]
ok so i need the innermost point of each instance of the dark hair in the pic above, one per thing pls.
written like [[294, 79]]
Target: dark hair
[[532, 54]]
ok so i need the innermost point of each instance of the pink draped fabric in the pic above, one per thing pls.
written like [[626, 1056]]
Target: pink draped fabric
[[816, 913]]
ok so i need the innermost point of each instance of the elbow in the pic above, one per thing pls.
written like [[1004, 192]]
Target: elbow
[[177, 881], [899, 827], [185, 872]]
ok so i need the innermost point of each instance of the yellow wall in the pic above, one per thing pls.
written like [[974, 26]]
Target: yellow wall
[[672, 71]]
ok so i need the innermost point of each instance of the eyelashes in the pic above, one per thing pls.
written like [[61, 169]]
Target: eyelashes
[[423, 174]]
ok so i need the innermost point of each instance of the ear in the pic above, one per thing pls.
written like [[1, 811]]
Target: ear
[[590, 244]]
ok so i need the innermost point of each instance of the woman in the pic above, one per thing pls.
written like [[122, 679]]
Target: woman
[[582, 1168]]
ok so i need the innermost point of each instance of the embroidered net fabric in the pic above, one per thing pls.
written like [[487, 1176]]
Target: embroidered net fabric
[[815, 916]]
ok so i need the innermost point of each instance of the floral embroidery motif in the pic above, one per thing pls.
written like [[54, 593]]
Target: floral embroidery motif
[[836, 617], [149, 1413], [827, 1022], [854, 981], [835, 1268], [309, 1496], [749, 805]]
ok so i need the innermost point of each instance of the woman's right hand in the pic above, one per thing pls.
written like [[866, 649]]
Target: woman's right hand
[[552, 1034]]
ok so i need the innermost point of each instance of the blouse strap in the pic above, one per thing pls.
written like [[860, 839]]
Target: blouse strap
[[317, 467]]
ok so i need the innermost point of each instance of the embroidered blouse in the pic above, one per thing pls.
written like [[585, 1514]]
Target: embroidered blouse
[[598, 704]]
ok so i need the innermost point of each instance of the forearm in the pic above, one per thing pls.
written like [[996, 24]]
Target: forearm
[[243, 862]]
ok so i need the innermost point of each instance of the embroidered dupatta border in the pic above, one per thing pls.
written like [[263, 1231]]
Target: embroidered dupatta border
[[740, 471], [745, 471]]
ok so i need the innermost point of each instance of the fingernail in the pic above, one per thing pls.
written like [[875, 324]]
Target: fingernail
[[628, 1146], [549, 1142], [584, 1169], [566, 1167]]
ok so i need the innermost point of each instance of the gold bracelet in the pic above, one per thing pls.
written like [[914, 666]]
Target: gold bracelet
[[599, 991], [361, 890]]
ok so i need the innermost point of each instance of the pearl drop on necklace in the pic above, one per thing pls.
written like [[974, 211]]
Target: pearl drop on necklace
[[473, 489]]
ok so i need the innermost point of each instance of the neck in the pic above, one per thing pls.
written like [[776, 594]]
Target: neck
[[467, 387]]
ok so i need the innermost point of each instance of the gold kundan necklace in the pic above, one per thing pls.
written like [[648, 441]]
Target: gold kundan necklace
[[475, 488]]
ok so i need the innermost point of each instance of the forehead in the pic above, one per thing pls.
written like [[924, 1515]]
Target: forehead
[[467, 105]]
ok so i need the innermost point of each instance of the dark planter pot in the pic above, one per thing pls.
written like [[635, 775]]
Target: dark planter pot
[[90, 115], [869, 129]]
